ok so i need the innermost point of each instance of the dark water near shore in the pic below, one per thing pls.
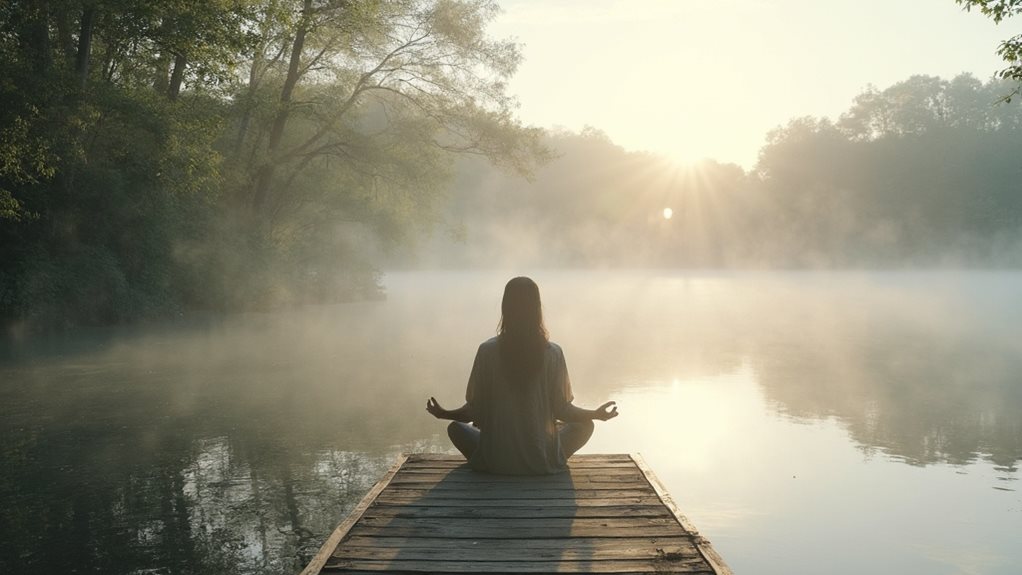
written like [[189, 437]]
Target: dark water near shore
[[805, 422]]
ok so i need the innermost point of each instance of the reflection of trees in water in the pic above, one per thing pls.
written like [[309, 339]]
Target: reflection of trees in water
[[230, 447], [273, 506], [921, 392], [87, 487], [924, 367], [209, 506]]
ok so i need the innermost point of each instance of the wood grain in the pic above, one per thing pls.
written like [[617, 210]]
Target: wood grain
[[682, 565], [523, 512], [709, 553], [432, 514]]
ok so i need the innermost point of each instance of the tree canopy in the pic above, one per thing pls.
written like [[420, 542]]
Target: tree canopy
[[1010, 49], [229, 153], [246, 154], [921, 173]]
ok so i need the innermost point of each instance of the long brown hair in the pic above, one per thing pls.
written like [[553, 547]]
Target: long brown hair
[[523, 338]]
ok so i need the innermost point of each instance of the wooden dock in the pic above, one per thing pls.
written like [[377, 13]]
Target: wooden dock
[[432, 514]]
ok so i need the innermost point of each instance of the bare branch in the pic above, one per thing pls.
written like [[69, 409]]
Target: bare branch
[[359, 88]]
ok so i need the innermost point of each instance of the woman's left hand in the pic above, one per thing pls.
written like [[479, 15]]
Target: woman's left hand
[[433, 407], [606, 411]]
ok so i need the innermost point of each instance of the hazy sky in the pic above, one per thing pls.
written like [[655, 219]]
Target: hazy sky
[[708, 78]]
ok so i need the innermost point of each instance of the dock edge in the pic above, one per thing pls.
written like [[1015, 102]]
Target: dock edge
[[709, 554]]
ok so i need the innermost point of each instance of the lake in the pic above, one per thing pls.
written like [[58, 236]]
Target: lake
[[806, 422]]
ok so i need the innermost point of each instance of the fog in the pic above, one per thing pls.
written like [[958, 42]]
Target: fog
[[919, 174], [241, 243], [260, 430]]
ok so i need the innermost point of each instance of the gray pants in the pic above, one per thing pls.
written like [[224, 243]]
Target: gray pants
[[573, 436]]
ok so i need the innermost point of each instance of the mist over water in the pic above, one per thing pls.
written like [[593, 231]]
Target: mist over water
[[798, 418], [205, 362]]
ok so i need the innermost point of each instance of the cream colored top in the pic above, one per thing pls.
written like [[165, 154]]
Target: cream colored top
[[518, 427]]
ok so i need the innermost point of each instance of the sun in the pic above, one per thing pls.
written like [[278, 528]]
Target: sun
[[668, 213]]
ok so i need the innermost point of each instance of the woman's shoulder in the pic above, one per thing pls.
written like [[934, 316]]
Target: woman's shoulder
[[489, 345]]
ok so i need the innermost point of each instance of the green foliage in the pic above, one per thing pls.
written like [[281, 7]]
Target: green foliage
[[996, 9], [23, 160], [1010, 50], [232, 154], [346, 126]]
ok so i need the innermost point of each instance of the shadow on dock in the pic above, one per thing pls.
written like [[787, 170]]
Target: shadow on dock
[[432, 514]]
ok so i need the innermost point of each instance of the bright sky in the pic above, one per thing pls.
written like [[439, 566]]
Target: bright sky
[[695, 79]]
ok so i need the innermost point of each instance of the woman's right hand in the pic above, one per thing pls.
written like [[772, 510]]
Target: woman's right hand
[[433, 407], [606, 411]]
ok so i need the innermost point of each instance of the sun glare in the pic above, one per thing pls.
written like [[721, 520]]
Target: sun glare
[[668, 213]]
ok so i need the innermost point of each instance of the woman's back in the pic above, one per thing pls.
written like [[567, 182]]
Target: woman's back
[[518, 390], [518, 418]]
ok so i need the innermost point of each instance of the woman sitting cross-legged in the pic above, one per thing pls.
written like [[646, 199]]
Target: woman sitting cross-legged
[[519, 397]]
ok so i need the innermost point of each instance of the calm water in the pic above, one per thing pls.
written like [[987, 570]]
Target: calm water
[[805, 422]]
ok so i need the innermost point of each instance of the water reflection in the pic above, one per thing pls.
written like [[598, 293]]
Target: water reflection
[[205, 450], [145, 492], [924, 367], [235, 445]]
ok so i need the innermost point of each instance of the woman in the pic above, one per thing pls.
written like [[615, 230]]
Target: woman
[[518, 391]]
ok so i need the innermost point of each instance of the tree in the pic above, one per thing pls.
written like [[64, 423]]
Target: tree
[[348, 120], [921, 171], [1010, 50], [336, 68], [232, 152]]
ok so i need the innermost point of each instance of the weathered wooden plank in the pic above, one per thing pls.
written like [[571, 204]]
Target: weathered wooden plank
[[318, 560], [709, 554], [472, 477], [518, 528], [531, 512], [457, 460], [522, 494], [619, 457], [469, 475], [664, 571], [525, 523], [571, 465], [522, 488], [682, 565], [441, 467], [606, 514], [581, 469], [483, 485], [469, 532], [551, 544], [465, 474], [469, 552], [427, 501]]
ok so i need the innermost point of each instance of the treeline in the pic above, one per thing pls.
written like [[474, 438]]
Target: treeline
[[923, 173], [248, 154], [231, 154]]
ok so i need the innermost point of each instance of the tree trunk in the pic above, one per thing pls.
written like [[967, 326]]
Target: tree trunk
[[85, 46], [264, 178], [247, 102], [180, 61], [109, 64]]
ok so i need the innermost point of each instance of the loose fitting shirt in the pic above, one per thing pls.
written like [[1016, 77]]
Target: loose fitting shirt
[[518, 423]]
